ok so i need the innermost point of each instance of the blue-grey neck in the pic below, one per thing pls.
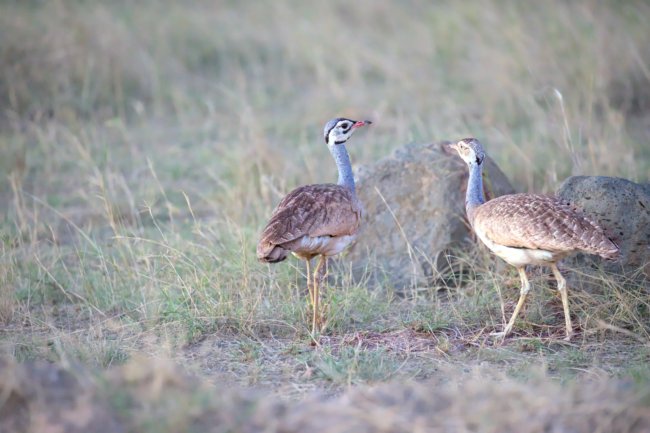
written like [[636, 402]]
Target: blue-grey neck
[[340, 154], [474, 196]]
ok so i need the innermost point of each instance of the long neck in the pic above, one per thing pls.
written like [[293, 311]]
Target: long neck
[[340, 154], [474, 196]]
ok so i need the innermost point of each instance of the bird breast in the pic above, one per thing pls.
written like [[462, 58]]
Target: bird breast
[[520, 256], [322, 245]]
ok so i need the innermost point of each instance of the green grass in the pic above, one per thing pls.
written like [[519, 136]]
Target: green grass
[[142, 148], [354, 365]]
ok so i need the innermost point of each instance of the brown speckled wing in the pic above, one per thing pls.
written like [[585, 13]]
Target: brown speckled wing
[[314, 210], [540, 222]]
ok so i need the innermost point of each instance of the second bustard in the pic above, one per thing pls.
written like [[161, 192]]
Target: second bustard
[[529, 229], [317, 220]]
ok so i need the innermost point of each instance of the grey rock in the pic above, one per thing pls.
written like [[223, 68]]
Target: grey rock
[[621, 208], [414, 212]]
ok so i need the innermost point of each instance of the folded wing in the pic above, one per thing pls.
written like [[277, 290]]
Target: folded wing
[[541, 222]]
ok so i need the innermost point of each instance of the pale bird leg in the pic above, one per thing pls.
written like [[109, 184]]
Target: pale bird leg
[[322, 277], [561, 287], [315, 324], [310, 287], [525, 288]]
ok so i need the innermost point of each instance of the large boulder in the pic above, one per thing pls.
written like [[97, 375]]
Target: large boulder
[[415, 211], [622, 208]]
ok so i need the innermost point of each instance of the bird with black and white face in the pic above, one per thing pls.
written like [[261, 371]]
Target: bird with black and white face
[[317, 220], [529, 229], [339, 130], [470, 150]]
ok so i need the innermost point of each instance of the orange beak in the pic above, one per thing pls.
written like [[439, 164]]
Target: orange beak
[[361, 123]]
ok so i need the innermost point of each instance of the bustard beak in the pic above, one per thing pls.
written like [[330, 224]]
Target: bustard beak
[[453, 146], [361, 123]]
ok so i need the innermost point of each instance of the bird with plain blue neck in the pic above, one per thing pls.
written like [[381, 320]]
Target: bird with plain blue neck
[[317, 220], [529, 229]]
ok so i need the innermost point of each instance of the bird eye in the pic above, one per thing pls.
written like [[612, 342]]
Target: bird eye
[[345, 125]]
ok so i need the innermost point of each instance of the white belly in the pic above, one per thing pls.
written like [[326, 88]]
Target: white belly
[[520, 256], [323, 245]]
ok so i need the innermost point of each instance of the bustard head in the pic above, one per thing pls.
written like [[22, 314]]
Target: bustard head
[[339, 130], [470, 150]]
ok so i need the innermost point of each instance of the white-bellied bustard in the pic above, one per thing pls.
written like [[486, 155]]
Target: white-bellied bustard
[[317, 220], [529, 229]]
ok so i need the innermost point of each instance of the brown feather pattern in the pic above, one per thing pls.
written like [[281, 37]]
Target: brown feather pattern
[[310, 210], [540, 222]]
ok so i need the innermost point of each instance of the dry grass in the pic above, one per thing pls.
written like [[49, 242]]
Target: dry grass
[[142, 148]]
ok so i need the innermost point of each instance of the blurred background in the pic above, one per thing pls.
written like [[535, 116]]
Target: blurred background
[[224, 98]]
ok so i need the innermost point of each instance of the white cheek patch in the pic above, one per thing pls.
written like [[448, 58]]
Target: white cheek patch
[[337, 134]]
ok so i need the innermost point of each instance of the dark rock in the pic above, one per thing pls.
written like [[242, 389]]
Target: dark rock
[[622, 208]]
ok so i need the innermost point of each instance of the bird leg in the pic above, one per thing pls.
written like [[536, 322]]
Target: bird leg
[[525, 288], [322, 279], [318, 279], [310, 286], [561, 287]]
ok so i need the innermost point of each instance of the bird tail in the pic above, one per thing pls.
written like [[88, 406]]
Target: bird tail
[[606, 248], [612, 253], [269, 253], [600, 243]]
